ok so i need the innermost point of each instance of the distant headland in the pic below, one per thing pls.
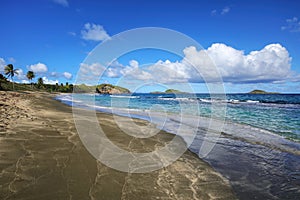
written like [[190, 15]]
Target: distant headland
[[261, 92], [168, 91], [111, 89]]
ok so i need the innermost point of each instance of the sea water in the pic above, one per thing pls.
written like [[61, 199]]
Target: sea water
[[258, 150]]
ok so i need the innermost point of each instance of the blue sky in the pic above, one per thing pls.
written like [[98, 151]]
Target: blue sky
[[53, 37]]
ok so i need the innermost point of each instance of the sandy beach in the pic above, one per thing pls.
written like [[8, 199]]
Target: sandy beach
[[42, 157]]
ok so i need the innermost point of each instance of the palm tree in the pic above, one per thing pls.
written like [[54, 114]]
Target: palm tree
[[56, 87], [10, 72], [30, 75], [40, 82]]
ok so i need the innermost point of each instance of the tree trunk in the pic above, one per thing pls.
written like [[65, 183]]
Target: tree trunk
[[13, 83]]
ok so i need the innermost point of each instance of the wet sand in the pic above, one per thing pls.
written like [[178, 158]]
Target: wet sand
[[42, 157]]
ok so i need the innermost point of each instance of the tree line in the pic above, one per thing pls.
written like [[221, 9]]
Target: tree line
[[10, 72]]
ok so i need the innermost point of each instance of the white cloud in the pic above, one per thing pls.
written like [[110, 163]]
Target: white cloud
[[12, 60], [54, 74], [90, 73], [72, 33], [114, 70], [272, 64], [24, 81], [38, 68], [20, 75], [67, 75], [225, 10], [95, 69], [2, 65], [135, 72], [213, 12], [48, 81], [170, 72], [64, 3], [292, 25], [94, 32]]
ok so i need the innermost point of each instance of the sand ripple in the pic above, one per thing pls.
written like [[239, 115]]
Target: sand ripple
[[42, 157]]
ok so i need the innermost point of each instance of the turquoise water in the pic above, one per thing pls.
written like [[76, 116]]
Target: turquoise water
[[278, 113], [259, 150]]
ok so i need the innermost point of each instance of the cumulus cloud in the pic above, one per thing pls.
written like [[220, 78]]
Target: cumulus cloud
[[38, 68], [67, 75], [170, 72], [114, 70], [94, 32], [90, 73], [135, 72], [272, 64], [64, 3], [292, 25], [48, 81], [20, 75], [95, 69]]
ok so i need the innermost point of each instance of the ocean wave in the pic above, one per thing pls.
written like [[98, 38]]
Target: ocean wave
[[124, 96], [252, 101], [177, 99], [67, 98], [232, 130]]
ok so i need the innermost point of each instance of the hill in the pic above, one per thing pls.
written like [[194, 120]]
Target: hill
[[261, 92], [169, 91], [111, 89]]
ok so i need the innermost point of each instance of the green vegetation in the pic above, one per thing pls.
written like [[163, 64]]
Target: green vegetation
[[169, 91], [67, 88], [262, 92], [173, 91], [102, 89], [111, 89], [40, 83], [82, 88], [39, 86], [2, 80], [10, 72], [30, 75]]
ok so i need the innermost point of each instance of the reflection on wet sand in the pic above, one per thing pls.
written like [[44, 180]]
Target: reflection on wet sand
[[41, 157]]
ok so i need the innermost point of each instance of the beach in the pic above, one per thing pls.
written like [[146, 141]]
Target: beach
[[42, 157]]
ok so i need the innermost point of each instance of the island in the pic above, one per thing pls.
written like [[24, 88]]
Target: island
[[111, 89], [169, 91], [261, 92]]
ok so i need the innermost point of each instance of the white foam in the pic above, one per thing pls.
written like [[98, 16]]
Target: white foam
[[191, 122], [251, 101], [122, 96]]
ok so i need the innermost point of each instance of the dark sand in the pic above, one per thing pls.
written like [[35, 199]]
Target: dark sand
[[42, 157]]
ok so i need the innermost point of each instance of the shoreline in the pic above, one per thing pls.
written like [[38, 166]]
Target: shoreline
[[140, 113], [264, 136], [44, 147], [257, 153]]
